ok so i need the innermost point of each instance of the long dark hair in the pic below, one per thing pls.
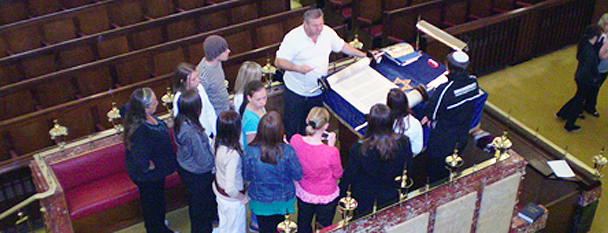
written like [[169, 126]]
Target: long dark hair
[[379, 134], [397, 101], [251, 87], [136, 112], [190, 105], [229, 131], [180, 77], [269, 137]]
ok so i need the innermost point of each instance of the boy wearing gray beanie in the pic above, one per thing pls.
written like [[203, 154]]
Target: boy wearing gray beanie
[[212, 74]]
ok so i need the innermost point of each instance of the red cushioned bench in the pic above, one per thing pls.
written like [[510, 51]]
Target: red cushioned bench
[[97, 181], [94, 192]]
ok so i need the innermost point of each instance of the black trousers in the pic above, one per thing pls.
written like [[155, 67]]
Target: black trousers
[[591, 102], [574, 106], [201, 202], [268, 224], [296, 110], [324, 212], [153, 206]]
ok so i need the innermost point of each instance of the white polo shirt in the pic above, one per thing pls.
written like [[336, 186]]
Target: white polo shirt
[[299, 49]]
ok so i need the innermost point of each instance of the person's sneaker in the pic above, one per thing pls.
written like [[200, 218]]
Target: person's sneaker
[[574, 128], [254, 228], [581, 116], [559, 117], [595, 114]]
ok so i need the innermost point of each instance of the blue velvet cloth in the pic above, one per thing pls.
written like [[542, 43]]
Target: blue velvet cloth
[[419, 72]]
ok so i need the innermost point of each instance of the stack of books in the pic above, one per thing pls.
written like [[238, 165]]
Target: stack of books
[[401, 53]]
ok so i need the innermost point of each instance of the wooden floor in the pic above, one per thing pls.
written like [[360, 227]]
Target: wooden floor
[[534, 91]]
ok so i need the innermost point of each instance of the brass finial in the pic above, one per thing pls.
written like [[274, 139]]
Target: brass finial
[[599, 162], [347, 206], [287, 226], [454, 162], [502, 144], [404, 183], [114, 116], [57, 132], [167, 99], [356, 43], [268, 71]]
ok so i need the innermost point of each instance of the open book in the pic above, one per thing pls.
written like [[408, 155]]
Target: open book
[[401, 53]]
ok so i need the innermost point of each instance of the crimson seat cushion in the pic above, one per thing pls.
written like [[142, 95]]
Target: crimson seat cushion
[[91, 166], [101, 194]]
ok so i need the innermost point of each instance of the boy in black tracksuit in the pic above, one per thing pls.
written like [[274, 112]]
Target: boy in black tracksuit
[[449, 113]]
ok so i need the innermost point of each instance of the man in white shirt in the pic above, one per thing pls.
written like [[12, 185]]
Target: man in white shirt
[[304, 55]]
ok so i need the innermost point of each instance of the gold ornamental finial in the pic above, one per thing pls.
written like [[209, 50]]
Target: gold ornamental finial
[[287, 226], [454, 162], [114, 116], [347, 206], [57, 132], [356, 43], [599, 162]]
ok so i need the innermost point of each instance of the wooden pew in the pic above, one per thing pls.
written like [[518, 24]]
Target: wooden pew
[[110, 43], [89, 19], [517, 36], [400, 24], [42, 30], [87, 115], [101, 75], [15, 10]]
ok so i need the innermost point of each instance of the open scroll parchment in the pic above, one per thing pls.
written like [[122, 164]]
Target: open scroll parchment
[[361, 85]]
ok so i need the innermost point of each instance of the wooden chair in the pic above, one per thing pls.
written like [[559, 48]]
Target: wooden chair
[[76, 56], [166, 61], [57, 31], [270, 7], [181, 29], [93, 80], [23, 39], [189, 4], [133, 71], [109, 47], [93, 21], [43, 7], [11, 73], [23, 133], [239, 42], [158, 8], [213, 20], [76, 3], [12, 11], [36, 66], [269, 34], [54, 92], [146, 38], [16, 104], [244, 13], [126, 12], [456, 12]]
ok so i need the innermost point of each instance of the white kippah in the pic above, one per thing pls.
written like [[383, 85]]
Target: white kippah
[[460, 57]]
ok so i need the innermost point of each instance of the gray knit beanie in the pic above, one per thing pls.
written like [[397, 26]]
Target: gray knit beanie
[[214, 45]]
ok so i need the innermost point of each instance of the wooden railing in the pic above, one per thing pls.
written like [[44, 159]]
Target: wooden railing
[[519, 35]]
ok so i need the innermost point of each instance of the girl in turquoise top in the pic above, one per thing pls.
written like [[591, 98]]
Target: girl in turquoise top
[[252, 109]]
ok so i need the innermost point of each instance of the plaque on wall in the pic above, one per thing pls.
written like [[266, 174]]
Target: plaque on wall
[[497, 205], [456, 216], [419, 224]]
